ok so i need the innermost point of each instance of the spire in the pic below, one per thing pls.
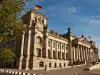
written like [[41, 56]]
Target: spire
[[69, 30], [82, 36]]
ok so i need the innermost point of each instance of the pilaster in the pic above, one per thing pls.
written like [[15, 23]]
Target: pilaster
[[56, 50], [81, 53], [34, 49], [51, 49], [89, 55], [22, 48], [74, 58], [61, 51], [28, 45], [78, 52], [28, 50], [86, 54], [64, 51]]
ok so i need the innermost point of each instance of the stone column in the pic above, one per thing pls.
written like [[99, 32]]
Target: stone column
[[56, 50], [74, 53], [51, 49], [81, 53], [46, 45], [86, 54], [60, 50], [22, 48], [65, 51], [28, 49], [93, 57], [78, 52], [34, 49], [45, 41], [35, 37], [89, 56]]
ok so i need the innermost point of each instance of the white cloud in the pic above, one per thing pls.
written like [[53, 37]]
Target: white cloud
[[94, 22], [95, 16], [73, 9]]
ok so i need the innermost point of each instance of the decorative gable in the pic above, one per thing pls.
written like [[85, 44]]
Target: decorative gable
[[85, 41]]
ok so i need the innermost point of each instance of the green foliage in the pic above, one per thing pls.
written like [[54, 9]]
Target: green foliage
[[6, 55], [10, 24]]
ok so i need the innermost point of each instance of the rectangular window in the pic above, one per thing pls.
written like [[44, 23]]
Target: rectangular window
[[38, 52], [41, 64]]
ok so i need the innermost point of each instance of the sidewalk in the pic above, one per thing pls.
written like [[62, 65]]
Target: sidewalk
[[39, 71]]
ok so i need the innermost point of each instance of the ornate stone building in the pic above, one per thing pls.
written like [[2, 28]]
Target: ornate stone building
[[38, 48]]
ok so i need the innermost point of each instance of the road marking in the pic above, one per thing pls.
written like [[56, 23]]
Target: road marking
[[95, 72]]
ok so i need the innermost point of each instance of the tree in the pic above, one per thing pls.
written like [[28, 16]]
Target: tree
[[10, 23], [6, 56]]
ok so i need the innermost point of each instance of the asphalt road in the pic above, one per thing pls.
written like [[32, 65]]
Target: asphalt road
[[87, 73], [69, 71]]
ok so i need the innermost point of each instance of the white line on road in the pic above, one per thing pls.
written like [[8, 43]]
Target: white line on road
[[95, 72]]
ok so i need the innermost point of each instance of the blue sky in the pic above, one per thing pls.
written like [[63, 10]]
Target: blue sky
[[82, 16]]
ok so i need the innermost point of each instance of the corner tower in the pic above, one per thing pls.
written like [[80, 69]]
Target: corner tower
[[70, 52], [36, 31]]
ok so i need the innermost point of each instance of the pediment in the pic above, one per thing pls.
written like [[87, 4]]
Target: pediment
[[84, 40]]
